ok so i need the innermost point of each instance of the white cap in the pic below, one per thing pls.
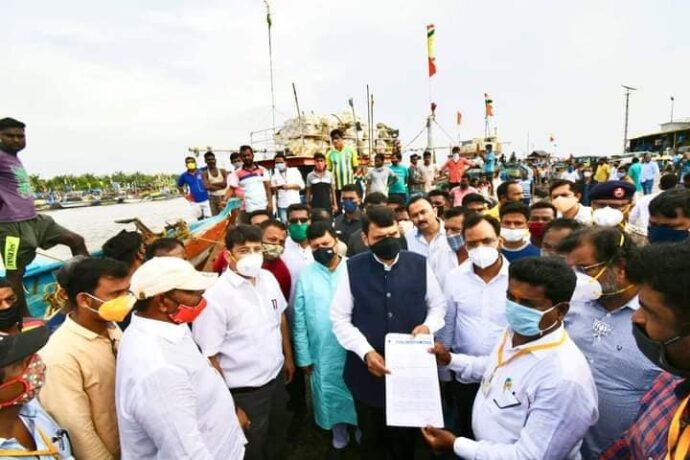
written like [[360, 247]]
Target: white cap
[[164, 274]]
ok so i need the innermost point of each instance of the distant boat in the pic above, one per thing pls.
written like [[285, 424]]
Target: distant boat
[[77, 200]]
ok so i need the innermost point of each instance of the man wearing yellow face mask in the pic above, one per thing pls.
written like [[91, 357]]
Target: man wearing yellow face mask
[[80, 389], [190, 184]]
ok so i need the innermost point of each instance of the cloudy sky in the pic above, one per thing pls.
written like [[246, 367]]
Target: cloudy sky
[[130, 84]]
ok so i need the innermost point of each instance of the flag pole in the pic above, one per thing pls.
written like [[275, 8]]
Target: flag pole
[[270, 61], [431, 62]]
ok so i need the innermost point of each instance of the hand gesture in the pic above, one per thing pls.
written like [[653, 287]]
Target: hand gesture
[[442, 355], [376, 364], [439, 440]]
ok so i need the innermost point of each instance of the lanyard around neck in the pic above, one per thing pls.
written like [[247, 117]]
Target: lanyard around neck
[[524, 351], [681, 445], [50, 449]]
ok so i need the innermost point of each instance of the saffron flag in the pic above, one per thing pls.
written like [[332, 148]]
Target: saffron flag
[[430, 33], [489, 106], [458, 118]]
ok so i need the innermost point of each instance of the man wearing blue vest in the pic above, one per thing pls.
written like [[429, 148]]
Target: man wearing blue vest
[[383, 290]]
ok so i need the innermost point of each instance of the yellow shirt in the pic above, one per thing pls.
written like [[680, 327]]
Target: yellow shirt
[[602, 174], [79, 391], [494, 212]]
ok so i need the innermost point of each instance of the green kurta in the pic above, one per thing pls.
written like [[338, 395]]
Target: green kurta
[[316, 345]]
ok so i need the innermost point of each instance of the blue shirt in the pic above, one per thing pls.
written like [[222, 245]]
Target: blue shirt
[[621, 372], [34, 417], [195, 184], [490, 162], [526, 251], [399, 186]]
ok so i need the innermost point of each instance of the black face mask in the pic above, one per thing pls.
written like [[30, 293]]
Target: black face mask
[[9, 317], [324, 256], [656, 351], [386, 249]]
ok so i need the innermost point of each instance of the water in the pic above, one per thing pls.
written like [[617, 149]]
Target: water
[[97, 223]]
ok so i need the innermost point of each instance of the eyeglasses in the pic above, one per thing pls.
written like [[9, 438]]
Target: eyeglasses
[[297, 220]]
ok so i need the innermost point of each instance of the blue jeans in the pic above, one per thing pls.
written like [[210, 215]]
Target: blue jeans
[[282, 215], [647, 186]]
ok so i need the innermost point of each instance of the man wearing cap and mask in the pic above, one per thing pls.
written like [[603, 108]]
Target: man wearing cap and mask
[[384, 290], [476, 294], [171, 403], [245, 334], [195, 192], [537, 396], [601, 309], [81, 357], [26, 429], [660, 329], [611, 202]]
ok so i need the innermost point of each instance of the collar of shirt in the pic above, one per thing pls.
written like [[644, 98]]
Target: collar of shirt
[[28, 415], [633, 304], [88, 334], [468, 268], [441, 232], [386, 267], [169, 331]]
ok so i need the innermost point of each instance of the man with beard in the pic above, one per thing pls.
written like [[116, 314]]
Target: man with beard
[[598, 322], [252, 182], [22, 229], [660, 329]]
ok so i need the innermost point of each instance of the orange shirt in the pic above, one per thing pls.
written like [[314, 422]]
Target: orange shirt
[[456, 169]]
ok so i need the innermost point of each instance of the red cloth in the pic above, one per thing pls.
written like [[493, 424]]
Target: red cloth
[[456, 169], [277, 267]]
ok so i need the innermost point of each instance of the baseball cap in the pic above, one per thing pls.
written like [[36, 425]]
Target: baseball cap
[[164, 274], [15, 347]]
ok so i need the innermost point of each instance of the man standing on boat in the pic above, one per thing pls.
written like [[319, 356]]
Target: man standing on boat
[[252, 183], [22, 229], [216, 181], [342, 161], [198, 195]]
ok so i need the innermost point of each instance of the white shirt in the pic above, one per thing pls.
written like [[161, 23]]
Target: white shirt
[[352, 338], [537, 406], [639, 216], [476, 310], [171, 403], [441, 257], [296, 258], [649, 171], [572, 176], [428, 173], [241, 324], [291, 176]]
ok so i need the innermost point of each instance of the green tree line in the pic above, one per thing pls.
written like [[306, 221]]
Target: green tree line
[[135, 180]]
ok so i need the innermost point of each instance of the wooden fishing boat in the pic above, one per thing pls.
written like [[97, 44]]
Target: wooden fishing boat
[[201, 240]]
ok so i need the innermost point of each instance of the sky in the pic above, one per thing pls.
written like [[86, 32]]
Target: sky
[[130, 85]]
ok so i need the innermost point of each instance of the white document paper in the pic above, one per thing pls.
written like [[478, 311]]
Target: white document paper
[[413, 393]]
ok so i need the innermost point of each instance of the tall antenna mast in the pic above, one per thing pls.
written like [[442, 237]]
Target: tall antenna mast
[[628, 89]]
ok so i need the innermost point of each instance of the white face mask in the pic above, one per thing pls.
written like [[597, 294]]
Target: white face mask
[[250, 265], [607, 217], [281, 166], [513, 235], [483, 256], [587, 288], [456, 157]]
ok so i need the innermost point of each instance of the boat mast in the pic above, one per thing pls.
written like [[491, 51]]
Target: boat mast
[[299, 117], [270, 61]]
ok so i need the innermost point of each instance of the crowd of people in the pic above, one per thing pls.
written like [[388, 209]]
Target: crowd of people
[[561, 327]]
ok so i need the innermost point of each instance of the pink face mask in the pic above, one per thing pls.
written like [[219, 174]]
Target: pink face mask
[[31, 379]]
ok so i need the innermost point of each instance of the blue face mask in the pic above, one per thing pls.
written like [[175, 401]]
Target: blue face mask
[[524, 320], [663, 234], [456, 242], [349, 206]]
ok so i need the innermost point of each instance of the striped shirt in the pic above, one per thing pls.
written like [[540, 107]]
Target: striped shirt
[[252, 182], [342, 164]]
